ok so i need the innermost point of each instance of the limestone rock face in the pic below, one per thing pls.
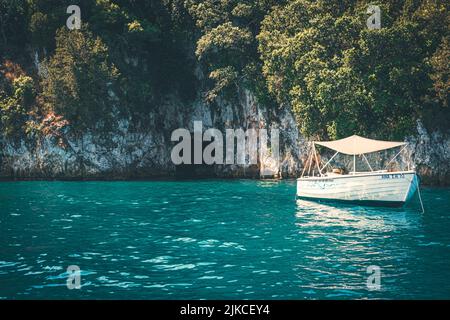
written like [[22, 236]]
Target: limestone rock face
[[143, 151], [430, 153]]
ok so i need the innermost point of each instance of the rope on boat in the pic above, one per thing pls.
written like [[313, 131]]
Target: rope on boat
[[416, 181], [420, 197]]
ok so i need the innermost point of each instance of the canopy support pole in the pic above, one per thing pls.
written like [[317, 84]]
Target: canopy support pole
[[306, 165], [316, 159], [310, 162], [397, 155], [354, 164], [367, 162], [329, 160]]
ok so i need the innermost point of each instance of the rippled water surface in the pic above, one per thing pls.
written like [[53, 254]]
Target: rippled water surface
[[215, 240]]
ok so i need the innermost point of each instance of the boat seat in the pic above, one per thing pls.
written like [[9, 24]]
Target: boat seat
[[339, 171]]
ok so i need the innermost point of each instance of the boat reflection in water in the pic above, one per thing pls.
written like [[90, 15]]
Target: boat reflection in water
[[342, 241], [329, 214]]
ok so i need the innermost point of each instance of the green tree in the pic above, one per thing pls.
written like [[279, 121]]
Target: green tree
[[227, 46], [441, 72], [80, 78]]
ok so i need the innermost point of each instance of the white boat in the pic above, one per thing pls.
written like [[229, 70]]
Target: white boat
[[381, 187]]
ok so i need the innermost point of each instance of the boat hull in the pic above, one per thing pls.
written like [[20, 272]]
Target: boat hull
[[374, 189]]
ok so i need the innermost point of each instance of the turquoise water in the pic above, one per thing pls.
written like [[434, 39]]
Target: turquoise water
[[215, 240]]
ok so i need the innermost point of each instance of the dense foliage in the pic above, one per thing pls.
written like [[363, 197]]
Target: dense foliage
[[79, 77], [317, 57], [340, 77]]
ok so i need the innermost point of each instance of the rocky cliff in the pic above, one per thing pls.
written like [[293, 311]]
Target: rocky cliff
[[143, 151]]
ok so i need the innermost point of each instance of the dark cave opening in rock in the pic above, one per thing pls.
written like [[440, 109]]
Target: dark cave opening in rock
[[195, 171]]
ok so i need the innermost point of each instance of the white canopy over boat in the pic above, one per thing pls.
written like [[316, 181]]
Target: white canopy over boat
[[355, 145]]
